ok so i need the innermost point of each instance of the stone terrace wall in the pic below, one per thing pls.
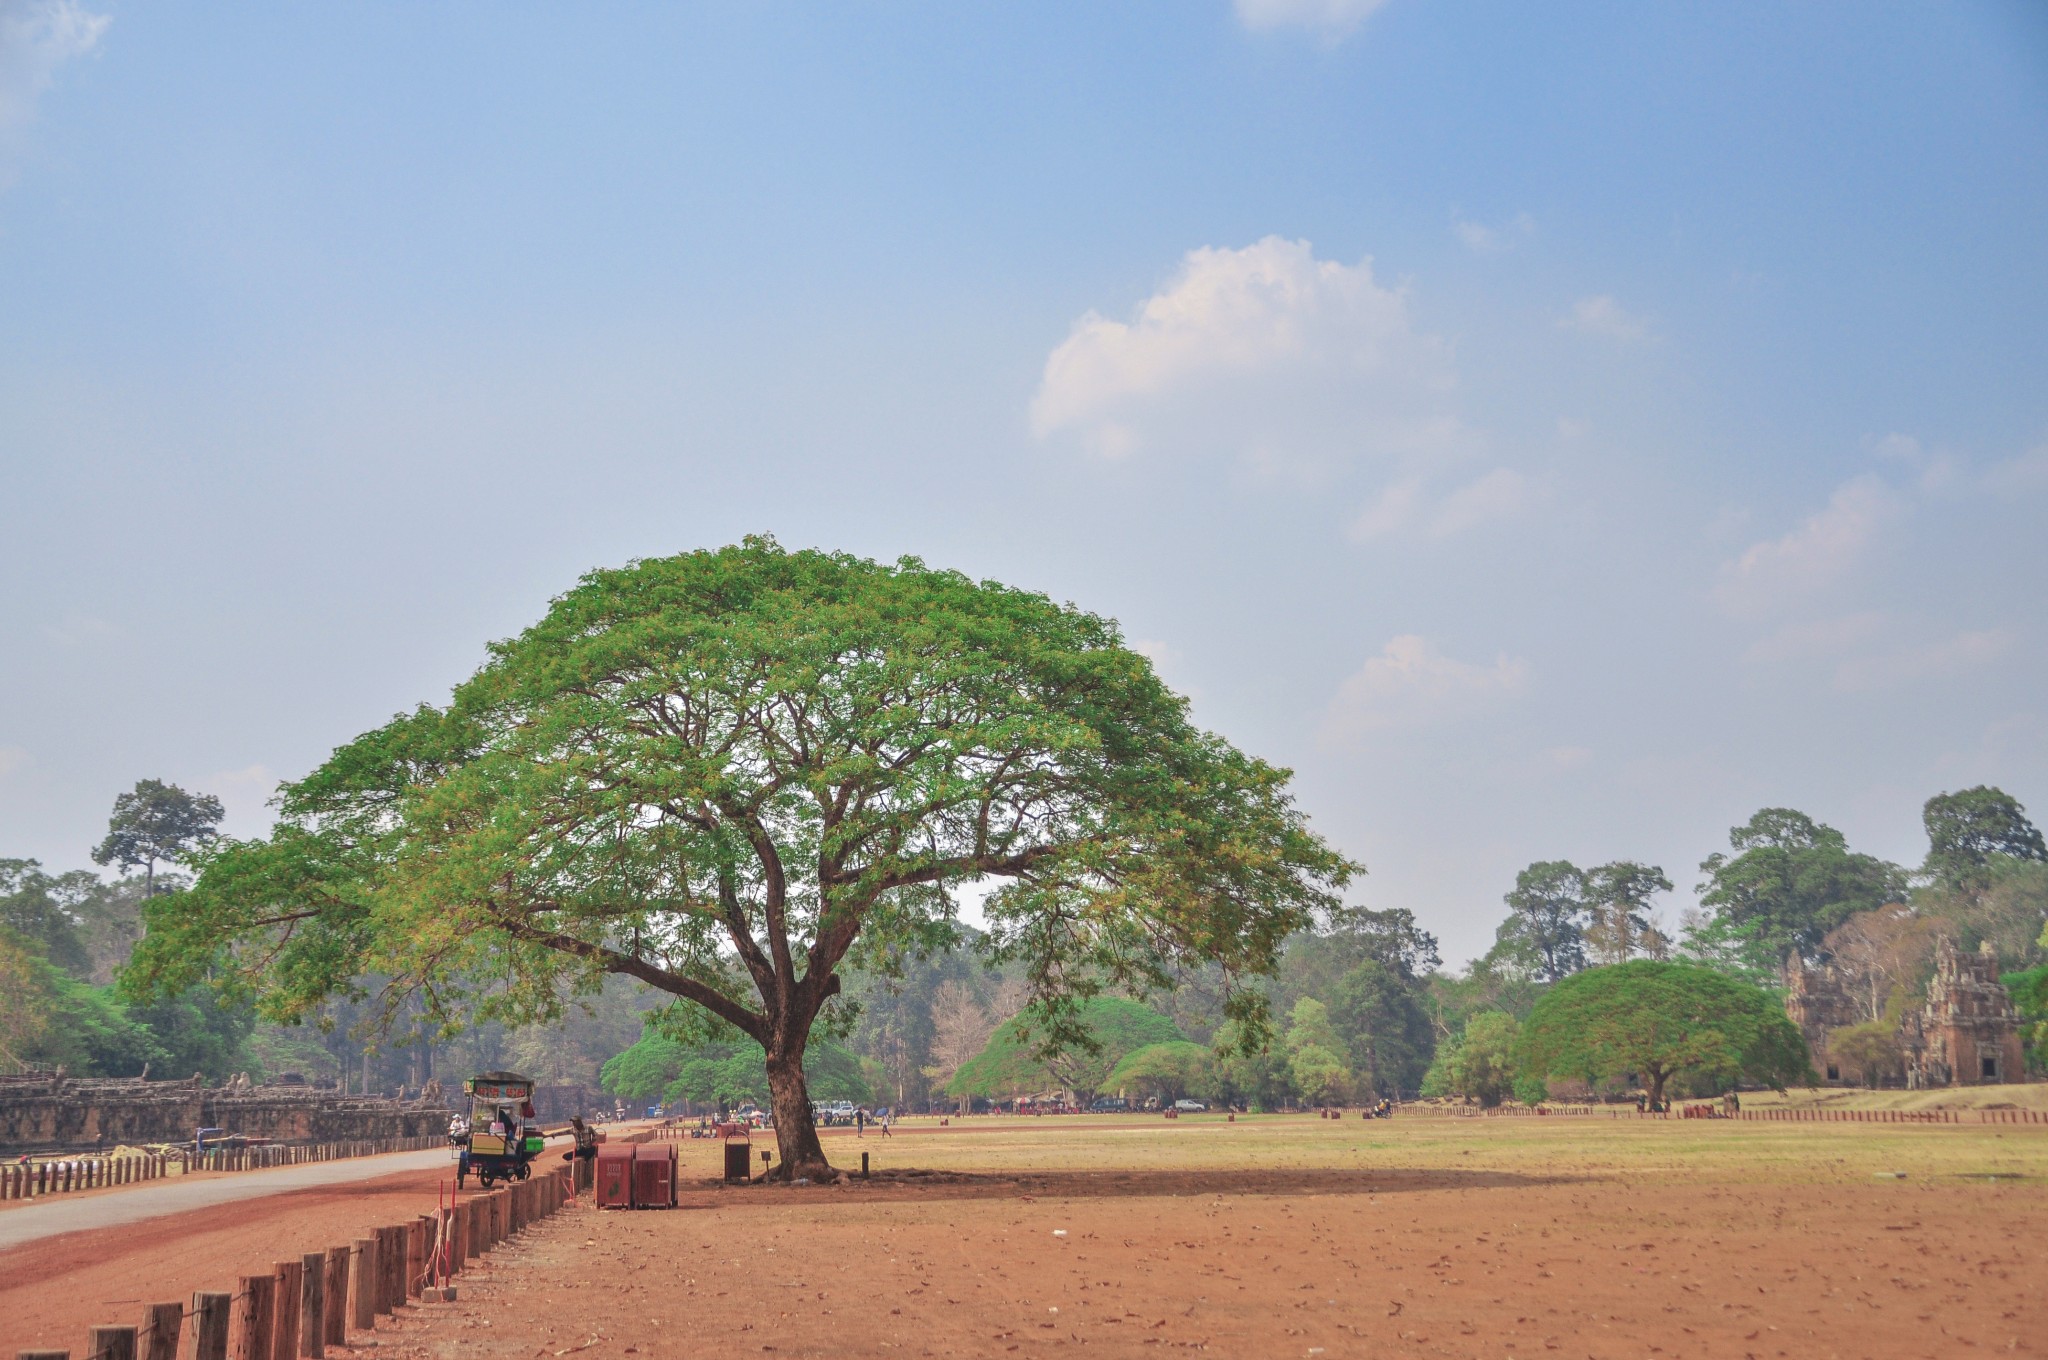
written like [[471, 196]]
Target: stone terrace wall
[[56, 1112]]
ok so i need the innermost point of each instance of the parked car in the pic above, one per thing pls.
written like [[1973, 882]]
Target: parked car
[[1189, 1106], [1109, 1105]]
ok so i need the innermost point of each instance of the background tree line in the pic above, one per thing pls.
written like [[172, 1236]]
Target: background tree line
[[1365, 1005]]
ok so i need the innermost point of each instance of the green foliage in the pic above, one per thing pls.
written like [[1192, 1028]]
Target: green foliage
[[726, 773], [45, 913], [1379, 1016], [1315, 1062], [2029, 989], [1478, 1064], [1166, 1071], [1618, 907], [725, 1071], [1316, 961], [156, 823], [1790, 881], [1970, 831], [1531, 1090], [1250, 1076], [1547, 913], [2004, 903], [1650, 1020], [1016, 1063], [1871, 1050]]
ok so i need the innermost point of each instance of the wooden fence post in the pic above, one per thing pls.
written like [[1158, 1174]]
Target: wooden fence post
[[284, 1335], [113, 1343], [362, 1283], [337, 1296], [415, 1256], [312, 1305], [251, 1325], [390, 1269], [42, 1355], [210, 1326], [160, 1327]]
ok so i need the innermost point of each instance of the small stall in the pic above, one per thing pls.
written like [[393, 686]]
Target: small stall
[[498, 1146]]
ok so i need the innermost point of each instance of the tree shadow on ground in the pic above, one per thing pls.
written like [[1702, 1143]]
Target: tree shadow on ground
[[964, 1185]]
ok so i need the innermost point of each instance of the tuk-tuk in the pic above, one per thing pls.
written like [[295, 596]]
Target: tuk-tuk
[[500, 1144]]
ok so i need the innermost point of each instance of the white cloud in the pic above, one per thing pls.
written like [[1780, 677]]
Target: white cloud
[[1333, 19], [2018, 476], [36, 37], [1264, 353], [1817, 638], [1602, 315], [1818, 553], [1481, 239], [1411, 683], [1940, 659], [1501, 494]]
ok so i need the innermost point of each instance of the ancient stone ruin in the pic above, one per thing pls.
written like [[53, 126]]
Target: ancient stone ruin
[[1966, 1034], [53, 1112]]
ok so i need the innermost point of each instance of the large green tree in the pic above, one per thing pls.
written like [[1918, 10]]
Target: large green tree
[[1017, 1061], [1650, 1021], [157, 822], [1385, 1028], [1546, 927], [1618, 905], [726, 773], [1970, 832], [1789, 881]]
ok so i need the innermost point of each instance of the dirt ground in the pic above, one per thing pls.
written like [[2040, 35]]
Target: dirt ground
[[1283, 1237], [52, 1291]]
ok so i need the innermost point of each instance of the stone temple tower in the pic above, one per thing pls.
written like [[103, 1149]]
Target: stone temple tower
[[1968, 1034]]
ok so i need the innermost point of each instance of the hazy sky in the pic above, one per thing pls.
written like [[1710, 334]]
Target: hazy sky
[[1552, 430]]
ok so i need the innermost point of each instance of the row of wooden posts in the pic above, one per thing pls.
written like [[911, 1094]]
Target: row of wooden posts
[[59, 1176], [302, 1307], [1767, 1116]]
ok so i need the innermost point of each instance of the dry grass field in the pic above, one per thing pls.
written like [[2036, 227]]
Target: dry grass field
[[1293, 1236]]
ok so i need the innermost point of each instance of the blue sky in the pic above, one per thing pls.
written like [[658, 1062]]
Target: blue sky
[[1554, 431]]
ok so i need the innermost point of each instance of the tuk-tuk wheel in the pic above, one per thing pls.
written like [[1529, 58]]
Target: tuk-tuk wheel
[[484, 1179], [524, 1171]]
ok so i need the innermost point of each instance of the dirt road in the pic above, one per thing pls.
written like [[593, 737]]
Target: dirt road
[[59, 1214]]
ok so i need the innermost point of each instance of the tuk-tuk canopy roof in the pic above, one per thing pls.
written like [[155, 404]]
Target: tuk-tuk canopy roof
[[499, 1086]]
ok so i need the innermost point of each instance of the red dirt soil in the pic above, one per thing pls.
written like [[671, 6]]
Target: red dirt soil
[[1425, 1264], [1337, 1263], [52, 1291]]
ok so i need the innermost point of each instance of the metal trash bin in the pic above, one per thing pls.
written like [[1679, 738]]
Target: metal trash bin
[[739, 1154], [654, 1176], [615, 1176]]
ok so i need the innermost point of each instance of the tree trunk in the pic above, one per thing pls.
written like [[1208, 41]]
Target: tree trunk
[[1657, 1079], [796, 1132]]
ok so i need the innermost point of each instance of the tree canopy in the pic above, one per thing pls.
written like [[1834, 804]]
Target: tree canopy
[[1651, 1021], [723, 773], [724, 1071], [156, 822], [1545, 929], [1017, 1062], [1970, 831], [1165, 1071], [1788, 883]]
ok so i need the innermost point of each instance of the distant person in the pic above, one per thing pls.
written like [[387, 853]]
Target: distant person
[[860, 1122]]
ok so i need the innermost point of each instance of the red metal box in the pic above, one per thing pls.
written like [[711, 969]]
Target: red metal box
[[615, 1176], [654, 1176]]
